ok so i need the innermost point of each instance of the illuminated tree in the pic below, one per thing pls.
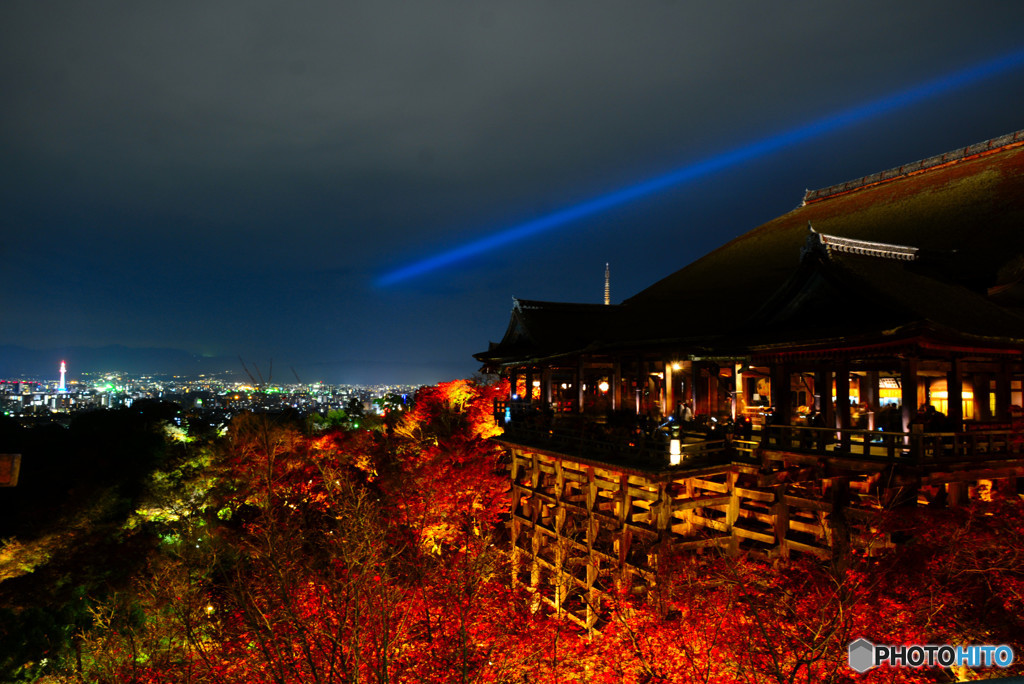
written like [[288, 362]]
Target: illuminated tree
[[358, 557]]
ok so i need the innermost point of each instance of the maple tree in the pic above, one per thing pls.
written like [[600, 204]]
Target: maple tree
[[364, 556]]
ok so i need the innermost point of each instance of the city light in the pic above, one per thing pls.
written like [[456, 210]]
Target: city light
[[209, 399]]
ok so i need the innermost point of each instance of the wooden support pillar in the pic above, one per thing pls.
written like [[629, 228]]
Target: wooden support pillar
[[593, 527], [670, 391], [823, 394], [559, 482], [513, 380], [545, 386], [658, 401], [616, 384], [623, 504], [842, 395], [661, 519], [780, 518], [839, 527], [713, 406], [558, 574], [732, 514], [982, 396], [690, 375], [698, 388], [579, 384], [955, 395], [908, 391], [529, 386], [516, 557], [1003, 393], [869, 395], [591, 489], [537, 538], [750, 389], [738, 399], [517, 466], [662, 511], [688, 493], [631, 392], [783, 414], [843, 403], [536, 542], [641, 386], [780, 381], [593, 595]]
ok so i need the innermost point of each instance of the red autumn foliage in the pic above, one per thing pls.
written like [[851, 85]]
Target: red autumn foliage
[[358, 557]]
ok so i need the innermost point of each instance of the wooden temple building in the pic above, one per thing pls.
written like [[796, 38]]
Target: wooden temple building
[[862, 353]]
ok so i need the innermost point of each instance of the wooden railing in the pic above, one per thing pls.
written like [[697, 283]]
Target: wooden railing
[[589, 441], [987, 444], [630, 439], [920, 446], [820, 440]]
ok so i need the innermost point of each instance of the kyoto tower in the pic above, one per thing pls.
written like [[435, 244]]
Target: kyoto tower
[[63, 370]]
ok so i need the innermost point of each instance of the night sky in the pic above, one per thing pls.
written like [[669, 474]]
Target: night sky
[[237, 179]]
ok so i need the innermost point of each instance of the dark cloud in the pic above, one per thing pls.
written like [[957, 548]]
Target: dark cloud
[[235, 175]]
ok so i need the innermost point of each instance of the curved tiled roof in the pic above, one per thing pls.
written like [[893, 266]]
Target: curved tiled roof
[[881, 250], [842, 294], [934, 237], [952, 157], [539, 328], [971, 211]]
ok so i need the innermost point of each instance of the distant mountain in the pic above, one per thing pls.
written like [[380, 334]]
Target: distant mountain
[[44, 364]]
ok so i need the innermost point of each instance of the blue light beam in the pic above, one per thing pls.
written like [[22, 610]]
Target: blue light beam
[[773, 143]]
